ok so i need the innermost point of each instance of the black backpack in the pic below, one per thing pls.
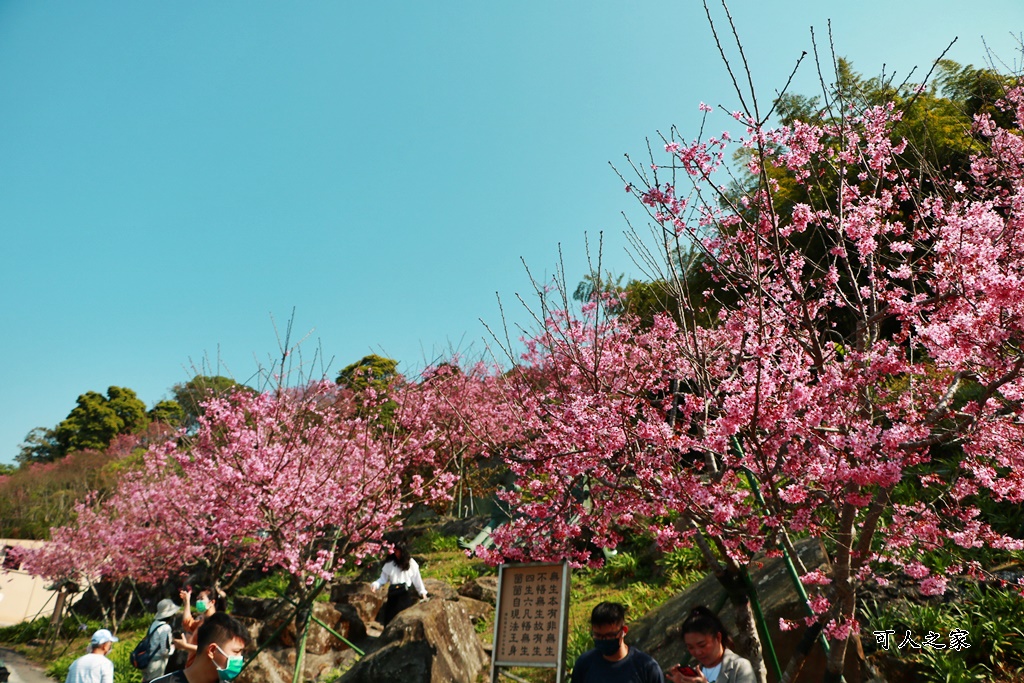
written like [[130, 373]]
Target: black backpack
[[143, 653]]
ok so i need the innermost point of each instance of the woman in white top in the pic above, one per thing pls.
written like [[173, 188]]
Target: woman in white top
[[403, 573]]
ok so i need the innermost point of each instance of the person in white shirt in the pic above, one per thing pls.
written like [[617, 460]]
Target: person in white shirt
[[94, 667], [403, 574]]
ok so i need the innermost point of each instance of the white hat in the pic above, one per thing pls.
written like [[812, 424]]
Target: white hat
[[103, 636], [166, 608]]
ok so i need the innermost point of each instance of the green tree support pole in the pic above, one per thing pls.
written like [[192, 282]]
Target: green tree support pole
[[767, 647], [790, 569]]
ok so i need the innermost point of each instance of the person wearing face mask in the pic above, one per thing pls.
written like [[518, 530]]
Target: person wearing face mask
[[612, 660], [192, 620], [94, 667], [708, 642], [220, 646]]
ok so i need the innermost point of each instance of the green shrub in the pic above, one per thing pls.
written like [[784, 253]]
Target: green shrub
[[578, 642], [124, 672], [433, 541], [466, 572], [25, 631], [618, 568], [272, 585], [991, 617]]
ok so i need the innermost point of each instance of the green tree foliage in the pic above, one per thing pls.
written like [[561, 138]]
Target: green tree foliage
[[936, 123], [372, 371], [97, 419], [40, 445], [168, 412], [191, 395], [370, 378]]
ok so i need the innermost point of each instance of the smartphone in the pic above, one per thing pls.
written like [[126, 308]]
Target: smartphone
[[686, 670]]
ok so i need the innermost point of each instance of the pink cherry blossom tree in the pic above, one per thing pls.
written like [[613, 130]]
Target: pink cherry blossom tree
[[303, 479], [459, 412], [797, 398]]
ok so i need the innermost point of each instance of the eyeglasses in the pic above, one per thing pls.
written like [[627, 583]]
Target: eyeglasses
[[607, 636]]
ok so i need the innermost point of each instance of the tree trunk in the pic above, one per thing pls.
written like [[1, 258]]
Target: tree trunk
[[747, 640], [803, 648], [845, 597]]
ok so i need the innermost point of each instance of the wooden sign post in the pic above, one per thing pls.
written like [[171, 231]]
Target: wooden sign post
[[531, 622]]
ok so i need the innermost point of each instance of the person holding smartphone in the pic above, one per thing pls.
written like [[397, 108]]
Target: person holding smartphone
[[708, 642]]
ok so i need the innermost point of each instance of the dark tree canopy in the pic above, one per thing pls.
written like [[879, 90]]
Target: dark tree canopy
[[97, 419], [40, 445], [168, 412]]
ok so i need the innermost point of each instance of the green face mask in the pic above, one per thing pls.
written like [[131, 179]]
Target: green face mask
[[201, 606], [232, 668]]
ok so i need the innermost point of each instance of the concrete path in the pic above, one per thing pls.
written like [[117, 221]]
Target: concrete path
[[22, 670]]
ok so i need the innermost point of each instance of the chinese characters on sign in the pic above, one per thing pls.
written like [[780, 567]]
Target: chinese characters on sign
[[530, 625], [957, 640]]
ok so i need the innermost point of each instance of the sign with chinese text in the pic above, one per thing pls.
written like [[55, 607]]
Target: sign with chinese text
[[531, 616]]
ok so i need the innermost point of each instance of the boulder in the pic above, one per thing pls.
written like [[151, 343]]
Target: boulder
[[265, 668], [261, 609], [464, 526], [440, 589], [419, 514], [361, 597], [483, 588], [431, 641], [658, 632], [276, 665], [344, 619], [478, 610]]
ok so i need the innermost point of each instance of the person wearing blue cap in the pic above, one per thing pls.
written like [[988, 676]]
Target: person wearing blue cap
[[94, 667]]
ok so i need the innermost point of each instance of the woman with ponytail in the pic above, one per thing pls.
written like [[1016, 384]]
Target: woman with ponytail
[[403, 574]]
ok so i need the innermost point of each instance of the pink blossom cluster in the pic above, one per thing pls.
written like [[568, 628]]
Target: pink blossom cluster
[[304, 479], [770, 419]]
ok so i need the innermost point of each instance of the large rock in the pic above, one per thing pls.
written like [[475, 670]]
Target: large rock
[[276, 665], [483, 588], [659, 631], [440, 589], [478, 610], [419, 514], [464, 526], [361, 597], [261, 609], [343, 619], [431, 641]]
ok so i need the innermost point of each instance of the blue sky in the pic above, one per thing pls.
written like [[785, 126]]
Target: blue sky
[[175, 175]]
